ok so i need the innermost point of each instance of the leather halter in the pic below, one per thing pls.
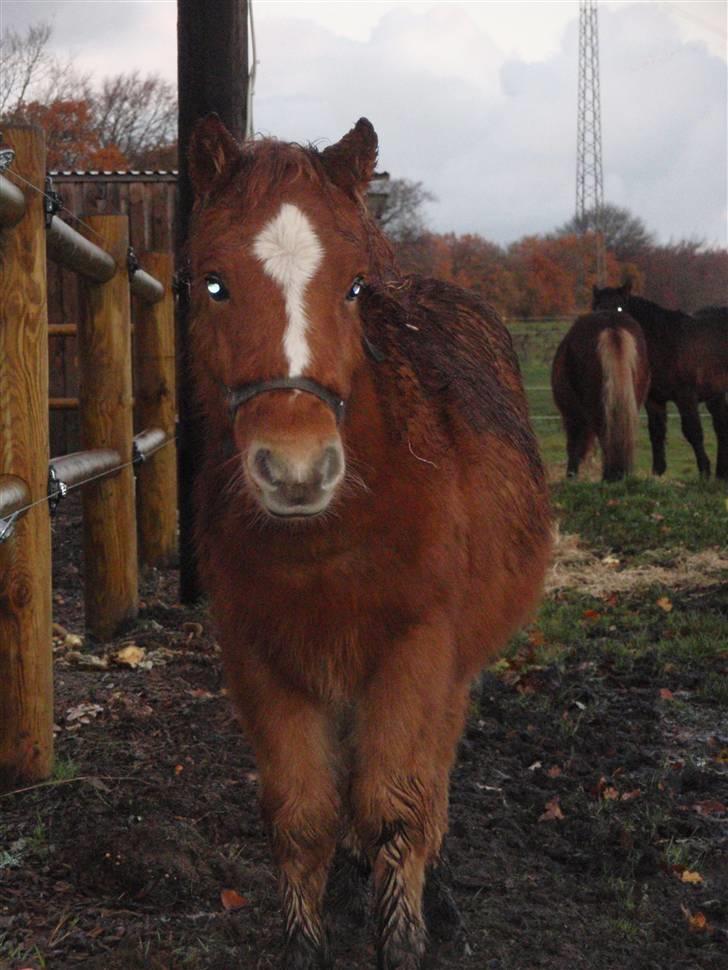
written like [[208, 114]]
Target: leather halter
[[239, 395]]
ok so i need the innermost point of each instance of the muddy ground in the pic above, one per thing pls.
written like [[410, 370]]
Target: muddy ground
[[588, 822]]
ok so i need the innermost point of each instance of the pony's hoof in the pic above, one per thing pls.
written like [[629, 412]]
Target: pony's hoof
[[302, 954], [442, 916], [348, 890]]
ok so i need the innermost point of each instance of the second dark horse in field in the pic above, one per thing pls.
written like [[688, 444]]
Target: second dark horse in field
[[599, 379], [688, 358], [373, 517]]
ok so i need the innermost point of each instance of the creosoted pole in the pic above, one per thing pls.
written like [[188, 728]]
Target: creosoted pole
[[212, 59]]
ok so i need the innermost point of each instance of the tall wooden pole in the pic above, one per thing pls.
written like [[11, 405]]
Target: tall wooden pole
[[109, 514], [156, 407], [26, 661], [212, 59]]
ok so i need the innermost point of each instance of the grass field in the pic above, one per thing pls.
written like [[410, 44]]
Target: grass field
[[535, 344]]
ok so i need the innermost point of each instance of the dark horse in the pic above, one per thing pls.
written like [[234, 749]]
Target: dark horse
[[373, 516], [599, 379], [688, 358]]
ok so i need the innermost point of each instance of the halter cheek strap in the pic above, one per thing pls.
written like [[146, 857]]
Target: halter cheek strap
[[239, 395]]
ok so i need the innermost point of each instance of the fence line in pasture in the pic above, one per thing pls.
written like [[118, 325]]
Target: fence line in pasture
[[115, 509]]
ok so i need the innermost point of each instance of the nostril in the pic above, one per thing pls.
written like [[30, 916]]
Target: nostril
[[330, 466], [263, 466]]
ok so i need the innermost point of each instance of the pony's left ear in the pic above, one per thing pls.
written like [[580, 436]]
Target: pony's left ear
[[212, 152], [350, 162]]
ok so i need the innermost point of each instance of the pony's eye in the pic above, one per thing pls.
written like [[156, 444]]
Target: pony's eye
[[216, 288], [355, 289]]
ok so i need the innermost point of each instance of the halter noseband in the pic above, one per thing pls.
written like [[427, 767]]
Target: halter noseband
[[239, 395]]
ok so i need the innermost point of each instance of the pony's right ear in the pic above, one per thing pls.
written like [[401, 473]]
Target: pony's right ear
[[212, 152]]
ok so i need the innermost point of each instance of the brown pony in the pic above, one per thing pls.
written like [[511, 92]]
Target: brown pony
[[688, 358], [373, 516], [599, 380]]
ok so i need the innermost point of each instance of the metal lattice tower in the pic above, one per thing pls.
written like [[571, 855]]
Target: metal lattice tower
[[589, 191]]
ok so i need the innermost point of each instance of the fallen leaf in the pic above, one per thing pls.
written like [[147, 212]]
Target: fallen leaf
[[629, 795], [691, 877], [710, 806], [722, 756], [610, 793], [553, 811], [193, 630], [554, 771], [232, 900], [178, 769], [86, 661], [666, 694], [129, 656], [665, 604], [591, 615], [83, 712], [697, 922]]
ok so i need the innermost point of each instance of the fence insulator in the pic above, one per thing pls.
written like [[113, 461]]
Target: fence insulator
[[75, 252], [12, 203], [146, 287]]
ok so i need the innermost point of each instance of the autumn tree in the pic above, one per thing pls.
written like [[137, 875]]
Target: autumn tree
[[125, 121], [401, 215], [136, 114], [625, 235], [30, 72]]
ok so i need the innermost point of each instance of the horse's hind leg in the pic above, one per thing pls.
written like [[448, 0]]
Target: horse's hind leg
[[397, 787], [718, 407], [579, 438], [657, 426], [687, 405]]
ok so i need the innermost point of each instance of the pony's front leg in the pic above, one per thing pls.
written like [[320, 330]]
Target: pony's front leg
[[657, 426], [399, 776], [300, 807]]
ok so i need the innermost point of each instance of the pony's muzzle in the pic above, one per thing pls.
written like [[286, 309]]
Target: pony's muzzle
[[292, 484]]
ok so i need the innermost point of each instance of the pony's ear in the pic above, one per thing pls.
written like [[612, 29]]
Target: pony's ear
[[211, 153], [627, 287], [350, 162]]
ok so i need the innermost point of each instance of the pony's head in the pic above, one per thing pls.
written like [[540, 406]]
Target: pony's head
[[280, 247], [611, 297]]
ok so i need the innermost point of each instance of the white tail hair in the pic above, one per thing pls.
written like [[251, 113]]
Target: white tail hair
[[618, 355]]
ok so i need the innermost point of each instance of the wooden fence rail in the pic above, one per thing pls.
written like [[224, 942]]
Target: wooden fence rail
[[113, 506]]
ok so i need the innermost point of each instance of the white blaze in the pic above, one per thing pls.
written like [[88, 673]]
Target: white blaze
[[290, 252]]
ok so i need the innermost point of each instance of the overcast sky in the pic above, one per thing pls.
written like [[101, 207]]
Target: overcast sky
[[475, 99]]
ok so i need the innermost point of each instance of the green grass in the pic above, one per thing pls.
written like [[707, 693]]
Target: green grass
[[535, 344], [646, 518]]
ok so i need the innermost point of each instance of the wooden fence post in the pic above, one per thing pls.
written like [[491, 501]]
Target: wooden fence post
[[156, 407], [26, 659], [109, 519]]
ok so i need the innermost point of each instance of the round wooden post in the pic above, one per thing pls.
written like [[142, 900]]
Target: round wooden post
[[156, 407], [105, 395], [26, 660]]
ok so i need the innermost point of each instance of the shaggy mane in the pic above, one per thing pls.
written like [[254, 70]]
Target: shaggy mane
[[458, 351]]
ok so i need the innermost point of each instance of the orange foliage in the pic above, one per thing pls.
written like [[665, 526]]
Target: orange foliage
[[69, 128], [110, 158]]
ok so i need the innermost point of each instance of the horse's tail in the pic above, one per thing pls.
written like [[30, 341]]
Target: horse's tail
[[619, 358]]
